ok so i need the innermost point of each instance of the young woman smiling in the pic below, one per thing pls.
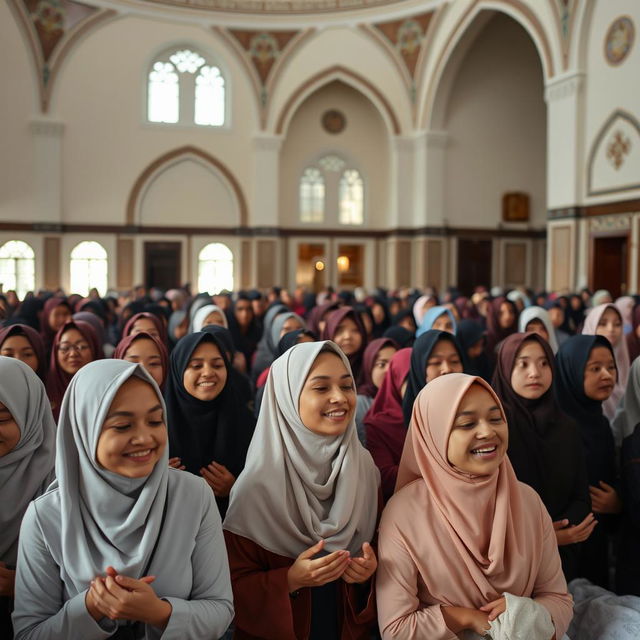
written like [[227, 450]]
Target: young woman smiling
[[24, 343], [345, 328], [120, 544], [463, 546], [147, 350]]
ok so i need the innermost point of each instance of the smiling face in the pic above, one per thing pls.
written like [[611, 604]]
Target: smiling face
[[133, 435], [59, 316], [20, 348], [443, 323], [9, 431], [205, 375], [145, 352], [531, 375], [328, 399], [73, 351], [347, 336], [479, 436], [444, 359], [145, 325], [610, 326], [600, 374], [381, 365]]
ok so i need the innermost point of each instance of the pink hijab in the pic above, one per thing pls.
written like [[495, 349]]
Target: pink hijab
[[469, 538]]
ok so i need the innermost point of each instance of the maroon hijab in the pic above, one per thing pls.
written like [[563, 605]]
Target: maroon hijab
[[57, 379], [367, 388], [127, 341], [317, 313], [495, 333], [330, 329], [34, 340], [46, 332], [162, 330]]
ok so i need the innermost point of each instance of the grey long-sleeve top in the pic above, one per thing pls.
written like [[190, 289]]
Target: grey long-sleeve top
[[190, 565]]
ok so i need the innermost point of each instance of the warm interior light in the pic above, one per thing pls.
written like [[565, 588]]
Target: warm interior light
[[319, 265], [343, 263]]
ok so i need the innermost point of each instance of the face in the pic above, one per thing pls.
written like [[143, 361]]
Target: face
[[444, 359], [258, 306], [347, 337], [443, 323], [144, 351], [479, 437], [531, 375], [58, 316], [145, 325], [328, 399], [556, 316], [215, 317], [205, 375], [19, 347], [9, 431], [290, 324], [537, 326], [367, 323], [381, 364], [600, 374], [506, 317], [378, 313], [244, 312], [476, 350], [610, 326], [73, 351], [134, 434]]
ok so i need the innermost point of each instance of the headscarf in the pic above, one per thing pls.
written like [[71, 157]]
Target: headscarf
[[597, 437], [620, 354], [290, 339], [94, 321], [57, 379], [202, 313], [469, 333], [380, 327], [317, 314], [298, 486], [266, 347], [46, 332], [278, 323], [625, 306], [420, 355], [401, 336], [200, 301], [599, 298], [162, 331], [431, 316], [27, 470], [495, 333], [627, 417], [538, 313], [418, 311], [367, 388], [107, 519], [331, 328], [633, 342], [28, 312], [246, 341], [34, 340], [126, 342]]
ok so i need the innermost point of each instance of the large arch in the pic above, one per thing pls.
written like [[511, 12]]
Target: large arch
[[172, 157]]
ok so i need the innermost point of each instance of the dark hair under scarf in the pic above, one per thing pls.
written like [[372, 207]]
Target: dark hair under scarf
[[420, 355], [34, 340], [201, 431], [121, 351], [330, 329], [366, 387]]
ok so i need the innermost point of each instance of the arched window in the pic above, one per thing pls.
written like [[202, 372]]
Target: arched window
[[183, 87], [215, 268], [88, 268], [17, 267], [351, 198], [312, 196]]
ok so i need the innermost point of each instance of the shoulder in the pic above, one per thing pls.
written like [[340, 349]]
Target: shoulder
[[189, 495], [533, 506], [42, 514], [403, 503]]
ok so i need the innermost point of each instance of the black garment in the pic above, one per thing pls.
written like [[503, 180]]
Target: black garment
[[380, 328], [420, 355], [200, 431], [324, 612], [469, 333], [401, 336], [245, 341], [6, 609]]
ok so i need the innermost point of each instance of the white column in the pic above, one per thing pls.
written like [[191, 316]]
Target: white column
[[266, 181], [47, 162], [407, 186], [435, 171]]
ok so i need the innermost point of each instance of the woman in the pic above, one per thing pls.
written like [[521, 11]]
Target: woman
[[545, 448], [586, 377], [145, 323], [209, 427], [207, 315], [22, 342], [145, 349], [345, 329], [302, 567], [98, 326], [605, 320], [502, 321], [375, 364], [27, 452], [55, 313], [633, 337], [439, 319], [435, 353], [471, 339], [462, 540], [121, 542], [74, 346], [421, 306], [384, 422], [537, 320]]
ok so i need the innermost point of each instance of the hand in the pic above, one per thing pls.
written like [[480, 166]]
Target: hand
[[176, 463], [458, 619], [359, 570], [7, 580], [605, 499], [305, 572], [494, 608], [576, 532], [219, 478]]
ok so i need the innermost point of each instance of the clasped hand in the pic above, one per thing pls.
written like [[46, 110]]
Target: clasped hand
[[119, 597], [306, 572], [219, 478]]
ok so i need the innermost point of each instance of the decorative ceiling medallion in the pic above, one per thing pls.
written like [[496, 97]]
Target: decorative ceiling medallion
[[619, 40], [333, 121], [618, 148]]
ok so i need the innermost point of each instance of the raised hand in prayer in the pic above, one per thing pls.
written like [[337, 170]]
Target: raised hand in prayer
[[120, 597], [495, 608], [7, 580], [305, 572], [219, 478], [176, 463], [576, 532], [605, 499], [359, 570]]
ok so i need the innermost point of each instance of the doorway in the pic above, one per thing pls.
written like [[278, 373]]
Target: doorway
[[474, 264], [610, 264], [162, 262], [350, 265], [311, 269]]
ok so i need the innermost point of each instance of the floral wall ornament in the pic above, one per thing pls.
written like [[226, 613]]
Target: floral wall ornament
[[619, 40], [618, 148]]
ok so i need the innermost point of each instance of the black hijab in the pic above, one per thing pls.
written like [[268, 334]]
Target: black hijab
[[247, 341], [290, 339], [401, 336], [420, 355], [468, 333]]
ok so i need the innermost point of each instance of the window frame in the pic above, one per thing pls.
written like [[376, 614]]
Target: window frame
[[200, 261], [89, 260], [17, 271]]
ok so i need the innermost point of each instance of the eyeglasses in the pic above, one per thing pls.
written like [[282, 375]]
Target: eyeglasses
[[79, 348]]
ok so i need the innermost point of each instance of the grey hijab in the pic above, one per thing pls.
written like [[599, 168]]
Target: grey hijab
[[297, 486], [106, 519], [278, 323], [538, 313], [627, 416], [27, 470]]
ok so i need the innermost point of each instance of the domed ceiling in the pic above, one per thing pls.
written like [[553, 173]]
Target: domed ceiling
[[276, 6]]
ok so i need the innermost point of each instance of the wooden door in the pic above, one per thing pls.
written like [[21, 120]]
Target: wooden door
[[610, 264], [162, 264], [474, 264]]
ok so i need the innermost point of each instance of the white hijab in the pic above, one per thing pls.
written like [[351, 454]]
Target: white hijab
[[27, 470], [298, 487], [106, 519], [538, 313], [627, 416], [201, 315]]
